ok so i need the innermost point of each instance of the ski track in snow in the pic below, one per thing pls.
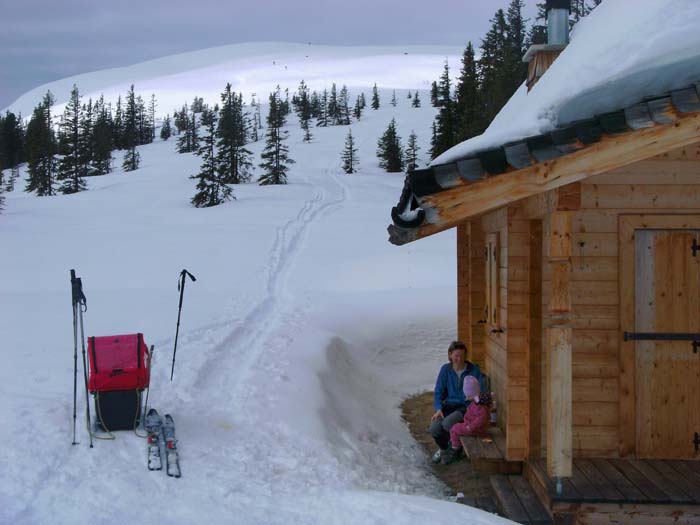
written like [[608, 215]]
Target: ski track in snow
[[245, 343]]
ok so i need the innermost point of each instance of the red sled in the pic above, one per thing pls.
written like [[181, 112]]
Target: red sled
[[118, 362]]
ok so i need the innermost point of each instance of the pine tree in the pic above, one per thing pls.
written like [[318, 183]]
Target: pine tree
[[118, 127], [285, 106], [211, 188], [394, 102], [445, 125], [144, 133], [363, 101], [323, 119], [187, 141], [194, 130], [357, 110], [233, 159], [181, 119], [87, 124], [12, 151], [409, 96], [349, 154], [416, 101], [389, 149], [343, 107], [11, 142], [165, 129], [412, 152], [102, 140], [71, 169], [276, 154], [375, 97], [434, 94], [468, 105], [41, 149], [515, 70], [493, 56], [4, 160], [538, 31], [303, 108], [152, 117], [315, 105], [132, 158], [333, 112], [197, 105]]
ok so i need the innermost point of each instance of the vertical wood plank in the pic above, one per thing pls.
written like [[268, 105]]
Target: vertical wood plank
[[559, 402], [476, 278], [644, 308], [493, 279], [535, 346], [559, 347], [627, 428], [487, 268], [464, 314]]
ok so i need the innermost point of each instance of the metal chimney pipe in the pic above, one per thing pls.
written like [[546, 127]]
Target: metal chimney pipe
[[558, 21]]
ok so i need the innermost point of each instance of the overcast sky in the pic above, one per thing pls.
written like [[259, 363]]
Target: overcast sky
[[45, 40]]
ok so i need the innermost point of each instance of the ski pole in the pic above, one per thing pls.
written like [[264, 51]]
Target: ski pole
[[82, 307], [74, 295], [181, 289]]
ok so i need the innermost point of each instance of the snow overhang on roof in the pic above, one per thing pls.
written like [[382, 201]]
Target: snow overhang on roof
[[627, 77], [443, 195]]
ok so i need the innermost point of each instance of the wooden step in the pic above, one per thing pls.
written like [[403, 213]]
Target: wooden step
[[484, 503], [517, 501], [487, 454]]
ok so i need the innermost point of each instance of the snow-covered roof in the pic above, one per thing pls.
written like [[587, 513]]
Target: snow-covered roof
[[629, 83], [623, 52]]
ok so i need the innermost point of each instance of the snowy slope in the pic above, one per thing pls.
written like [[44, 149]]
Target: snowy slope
[[253, 68], [302, 334]]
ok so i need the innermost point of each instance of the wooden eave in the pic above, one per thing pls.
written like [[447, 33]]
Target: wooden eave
[[443, 196]]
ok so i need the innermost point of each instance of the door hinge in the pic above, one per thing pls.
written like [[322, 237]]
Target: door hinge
[[696, 345], [696, 441], [695, 247]]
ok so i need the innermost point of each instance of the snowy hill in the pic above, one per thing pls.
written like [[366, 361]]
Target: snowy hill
[[254, 68], [303, 333]]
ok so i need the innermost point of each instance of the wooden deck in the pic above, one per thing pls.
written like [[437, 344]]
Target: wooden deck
[[624, 481], [604, 491], [487, 453], [621, 491]]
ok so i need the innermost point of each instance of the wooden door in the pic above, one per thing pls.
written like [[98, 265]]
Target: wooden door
[[667, 301]]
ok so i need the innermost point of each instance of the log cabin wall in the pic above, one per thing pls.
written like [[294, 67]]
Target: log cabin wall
[[495, 225], [516, 310], [502, 355], [666, 184]]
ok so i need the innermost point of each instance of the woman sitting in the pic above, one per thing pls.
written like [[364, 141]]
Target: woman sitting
[[450, 403]]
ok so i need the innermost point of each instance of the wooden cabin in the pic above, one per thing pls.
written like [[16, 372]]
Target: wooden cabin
[[578, 261]]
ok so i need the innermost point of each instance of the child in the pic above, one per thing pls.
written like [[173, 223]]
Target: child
[[476, 420]]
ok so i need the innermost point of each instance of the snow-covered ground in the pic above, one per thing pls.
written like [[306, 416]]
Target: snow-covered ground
[[303, 333]]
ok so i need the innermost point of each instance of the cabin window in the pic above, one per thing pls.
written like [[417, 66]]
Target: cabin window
[[491, 252]]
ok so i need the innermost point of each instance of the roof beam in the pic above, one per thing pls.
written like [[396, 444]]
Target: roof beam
[[449, 208]]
